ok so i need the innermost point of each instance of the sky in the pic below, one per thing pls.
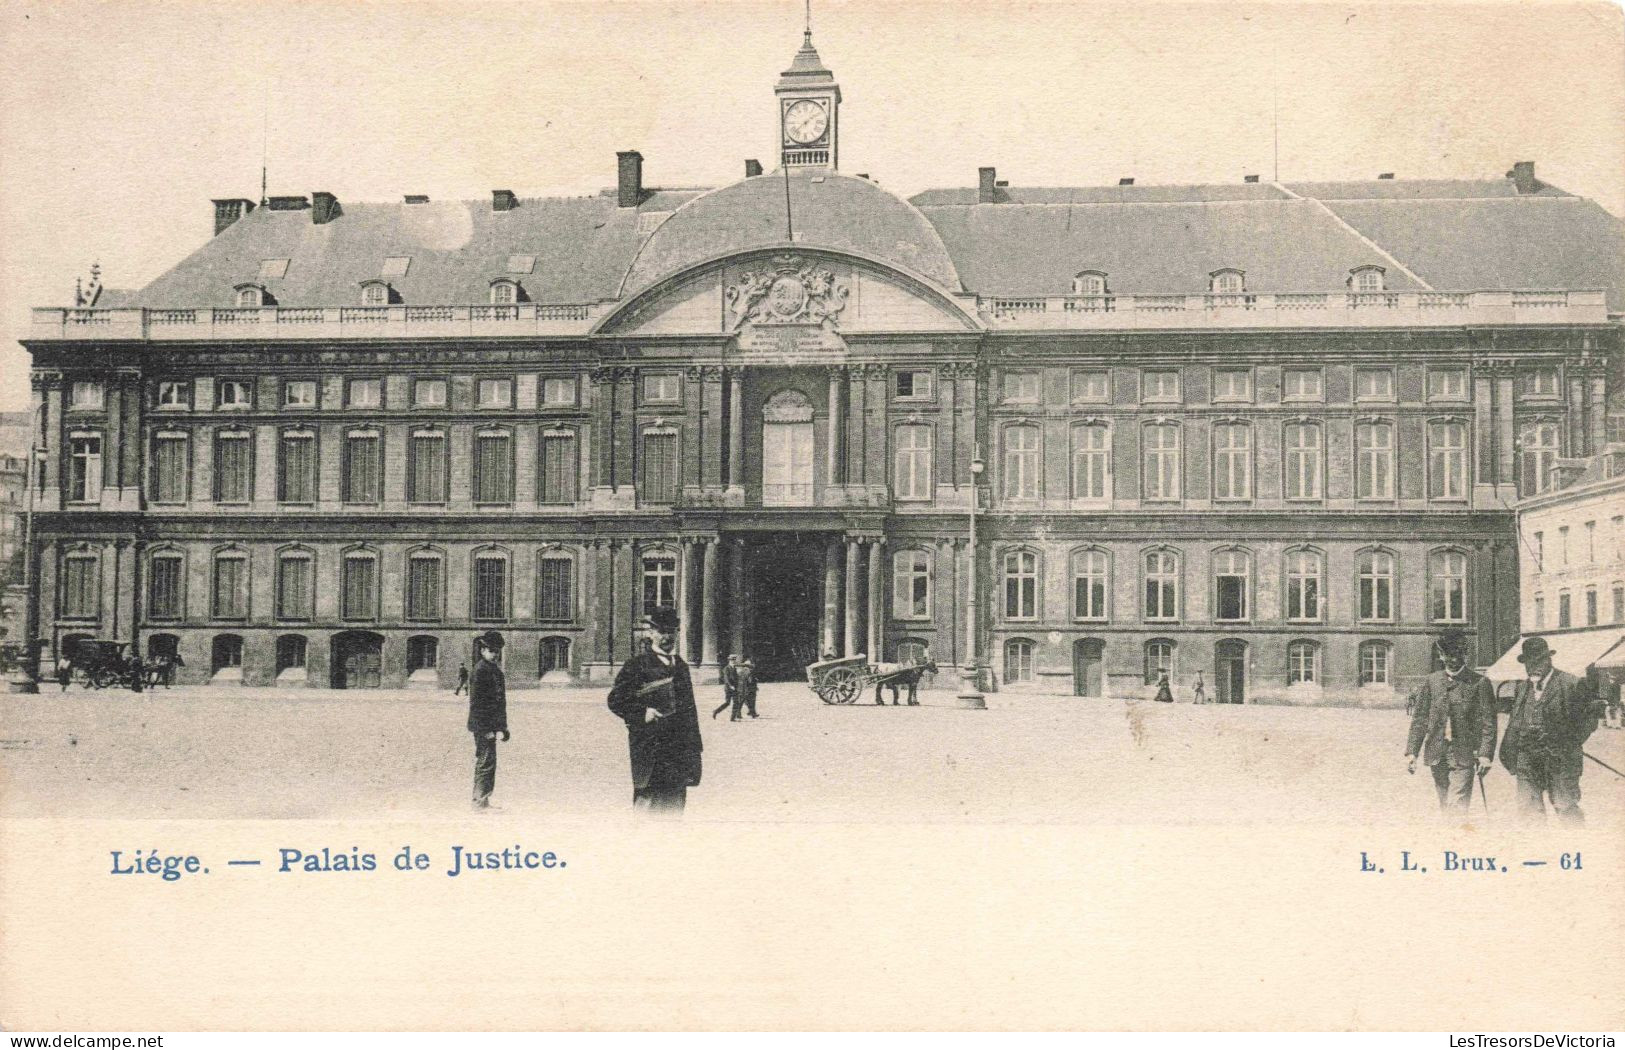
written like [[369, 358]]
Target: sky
[[119, 122]]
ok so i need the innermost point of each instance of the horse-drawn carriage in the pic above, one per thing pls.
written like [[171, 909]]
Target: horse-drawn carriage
[[843, 680], [99, 664]]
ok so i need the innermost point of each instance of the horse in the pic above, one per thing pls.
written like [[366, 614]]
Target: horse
[[904, 676]]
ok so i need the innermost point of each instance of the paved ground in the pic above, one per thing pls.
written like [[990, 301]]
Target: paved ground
[[201, 753]]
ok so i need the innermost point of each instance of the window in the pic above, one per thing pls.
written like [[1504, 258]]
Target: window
[[1374, 663], [1302, 384], [1091, 461], [491, 586], [1159, 385], [250, 298], [1018, 660], [559, 467], [1537, 454], [84, 468], [1591, 543], [1232, 461], [1563, 546], [1373, 384], [504, 293], [1161, 585], [493, 467], [1374, 462], [1591, 606], [914, 385], [1447, 572], [659, 582], [555, 587], [1021, 386], [1091, 386], [911, 585], [495, 393], [165, 582], [1540, 549], [1227, 282], [1447, 460], [295, 585], [1159, 660], [559, 391], [659, 481], [1305, 573], [358, 586], [1447, 384], [174, 393], [231, 585], [299, 393], [1540, 612], [1302, 663], [1300, 477], [226, 653], [429, 393], [273, 268], [425, 586], [1020, 585], [1540, 382], [296, 474], [1376, 585], [234, 393], [1233, 384], [1091, 583], [1089, 282], [1021, 462], [85, 394], [233, 467], [1366, 279], [913, 467], [290, 653], [363, 467], [661, 388], [375, 293], [1619, 603], [172, 463], [1160, 477], [426, 467], [422, 653], [1232, 570], [81, 585], [365, 393], [553, 654], [395, 266], [1565, 616]]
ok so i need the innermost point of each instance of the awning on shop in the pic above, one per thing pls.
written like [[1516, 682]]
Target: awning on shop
[[1573, 651], [1613, 661]]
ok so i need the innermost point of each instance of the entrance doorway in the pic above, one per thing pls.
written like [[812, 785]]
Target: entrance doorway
[[1086, 663], [784, 600], [1230, 672], [358, 659]]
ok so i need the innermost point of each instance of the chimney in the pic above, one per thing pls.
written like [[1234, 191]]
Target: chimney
[[1126, 182], [987, 189], [753, 168], [417, 198], [324, 207], [229, 211], [1249, 178], [1523, 176], [503, 200], [287, 204], [629, 183]]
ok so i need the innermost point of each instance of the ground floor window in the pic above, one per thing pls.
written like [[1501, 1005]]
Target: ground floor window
[[1374, 663], [290, 653], [227, 652], [1159, 660], [553, 655], [1302, 663], [422, 653], [1018, 660]]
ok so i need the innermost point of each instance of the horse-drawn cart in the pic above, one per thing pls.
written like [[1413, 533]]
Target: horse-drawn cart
[[100, 664], [842, 681]]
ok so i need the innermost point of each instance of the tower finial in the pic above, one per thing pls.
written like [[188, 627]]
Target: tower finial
[[807, 31]]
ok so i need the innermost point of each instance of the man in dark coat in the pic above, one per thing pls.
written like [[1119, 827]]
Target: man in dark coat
[[487, 714], [654, 696], [730, 688], [1552, 716], [1452, 725]]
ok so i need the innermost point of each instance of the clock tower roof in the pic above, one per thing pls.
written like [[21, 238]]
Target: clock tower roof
[[806, 68]]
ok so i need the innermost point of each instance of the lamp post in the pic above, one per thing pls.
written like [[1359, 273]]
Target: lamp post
[[970, 696]]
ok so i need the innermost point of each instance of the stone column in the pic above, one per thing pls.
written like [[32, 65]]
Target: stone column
[[112, 599], [876, 606], [124, 566], [130, 479], [1484, 428], [736, 432], [1506, 459], [1598, 379], [832, 454], [113, 444], [736, 596], [852, 452], [592, 606], [711, 451], [623, 595], [603, 440], [698, 429], [946, 467], [624, 426], [708, 599], [684, 550], [877, 396], [852, 587], [1577, 410], [945, 601], [832, 598]]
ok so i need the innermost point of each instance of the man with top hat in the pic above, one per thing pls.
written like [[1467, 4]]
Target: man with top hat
[[654, 696], [1453, 725], [487, 714], [1552, 715]]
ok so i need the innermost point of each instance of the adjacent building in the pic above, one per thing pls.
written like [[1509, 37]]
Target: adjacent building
[[1269, 432]]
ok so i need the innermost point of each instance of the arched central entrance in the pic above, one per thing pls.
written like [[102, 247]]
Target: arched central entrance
[[358, 659]]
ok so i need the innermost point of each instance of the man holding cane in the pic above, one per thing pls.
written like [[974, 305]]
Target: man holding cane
[[1453, 725]]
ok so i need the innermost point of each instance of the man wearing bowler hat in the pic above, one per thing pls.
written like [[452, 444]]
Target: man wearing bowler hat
[[487, 714], [654, 696], [1551, 718], [1453, 725]]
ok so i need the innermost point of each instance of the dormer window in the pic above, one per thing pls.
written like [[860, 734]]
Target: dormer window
[[1089, 282], [252, 296], [376, 293], [505, 292], [1227, 282], [1367, 279]]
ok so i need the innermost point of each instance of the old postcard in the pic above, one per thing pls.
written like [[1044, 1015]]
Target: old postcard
[[785, 515]]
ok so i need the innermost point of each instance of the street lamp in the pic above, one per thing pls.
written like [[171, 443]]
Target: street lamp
[[970, 696]]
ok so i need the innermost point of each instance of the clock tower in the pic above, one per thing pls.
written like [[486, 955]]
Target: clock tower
[[809, 103]]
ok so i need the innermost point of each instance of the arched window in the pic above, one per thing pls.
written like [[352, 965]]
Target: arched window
[[1447, 459], [555, 586], [1023, 464], [1375, 658], [1232, 461], [1302, 663], [1091, 584], [1305, 583], [1227, 282], [252, 296], [375, 293], [504, 292], [231, 584], [226, 655], [81, 584], [1162, 584], [1366, 279], [787, 450], [912, 471], [166, 585], [1020, 585], [295, 584], [425, 584], [290, 654], [1374, 460], [490, 586], [553, 654], [1018, 660], [1538, 449], [911, 585], [358, 584], [1160, 477], [659, 581], [1159, 660], [1089, 282], [1447, 586], [1376, 585], [1232, 579], [422, 653], [1091, 461]]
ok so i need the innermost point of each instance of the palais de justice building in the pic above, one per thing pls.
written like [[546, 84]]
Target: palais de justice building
[[1269, 432]]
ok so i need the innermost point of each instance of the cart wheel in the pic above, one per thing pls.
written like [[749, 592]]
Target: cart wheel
[[843, 683], [102, 677], [826, 694]]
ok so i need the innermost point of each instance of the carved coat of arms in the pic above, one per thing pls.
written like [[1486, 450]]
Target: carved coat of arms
[[788, 291]]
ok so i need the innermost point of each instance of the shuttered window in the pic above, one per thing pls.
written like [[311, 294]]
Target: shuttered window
[[426, 473], [490, 587], [559, 466], [164, 588], [359, 587], [555, 591], [296, 474], [423, 587], [233, 470], [659, 481], [293, 587], [81, 586], [170, 467], [493, 468], [363, 473], [230, 587]]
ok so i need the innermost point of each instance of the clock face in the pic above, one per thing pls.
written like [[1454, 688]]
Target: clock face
[[805, 122]]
